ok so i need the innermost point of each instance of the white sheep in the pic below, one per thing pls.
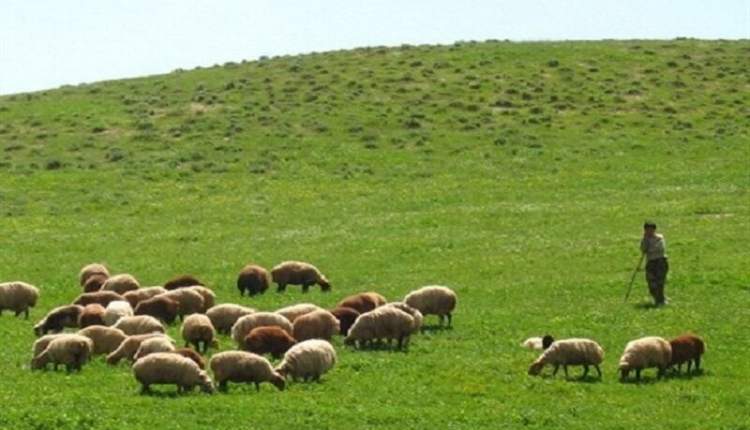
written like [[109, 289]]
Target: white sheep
[[319, 324], [136, 296], [385, 322], [189, 301], [105, 339], [245, 324], [209, 298], [170, 368], [639, 354], [129, 347], [18, 297], [244, 367], [139, 324], [415, 313], [433, 300], [153, 345], [224, 316], [115, 310], [292, 312], [90, 270], [308, 360], [198, 330], [121, 283], [570, 352], [71, 350], [538, 343]]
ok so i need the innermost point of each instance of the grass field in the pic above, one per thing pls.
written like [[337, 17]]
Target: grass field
[[519, 174]]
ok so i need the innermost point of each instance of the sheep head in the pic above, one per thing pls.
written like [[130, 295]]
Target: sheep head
[[536, 368]]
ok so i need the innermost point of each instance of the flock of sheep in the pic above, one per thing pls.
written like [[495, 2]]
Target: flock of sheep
[[117, 317]]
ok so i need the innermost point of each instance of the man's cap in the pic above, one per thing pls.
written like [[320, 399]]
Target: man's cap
[[649, 224]]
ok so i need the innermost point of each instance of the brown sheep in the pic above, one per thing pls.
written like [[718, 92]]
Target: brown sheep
[[90, 270], [182, 281], [59, 318], [101, 297], [253, 279], [193, 355], [268, 340], [94, 283], [346, 317], [363, 302], [92, 314], [136, 296], [159, 307], [121, 283], [298, 273], [687, 348]]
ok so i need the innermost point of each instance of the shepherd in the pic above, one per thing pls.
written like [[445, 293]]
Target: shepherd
[[654, 248]]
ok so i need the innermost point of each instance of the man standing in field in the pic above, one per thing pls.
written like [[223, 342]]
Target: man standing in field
[[654, 248]]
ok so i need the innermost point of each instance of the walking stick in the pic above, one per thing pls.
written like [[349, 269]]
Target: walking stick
[[632, 278]]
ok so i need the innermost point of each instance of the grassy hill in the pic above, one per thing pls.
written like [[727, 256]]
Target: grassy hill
[[517, 173]]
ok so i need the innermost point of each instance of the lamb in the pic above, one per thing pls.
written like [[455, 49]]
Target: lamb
[[253, 279], [319, 324], [159, 307], [153, 345], [570, 352], [308, 360], [59, 318], [117, 309], [433, 300], [71, 350], [41, 343], [92, 314], [538, 343], [298, 273], [105, 339], [241, 366], [188, 301], [294, 311], [209, 298], [170, 368], [182, 281], [193, 355], [198, 330], [244, 325], [121, 283], [362, 302], [94, 283], [687, 348], [18, 297], [346, 317], [93, 269], [385, 322], [136, 296], [101, 297], [651, 351], [268, 340], [128, 347], [418, 318], [224, 316], [139, 324]]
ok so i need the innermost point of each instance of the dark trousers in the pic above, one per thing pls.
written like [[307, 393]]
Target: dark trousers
[[656, 276]]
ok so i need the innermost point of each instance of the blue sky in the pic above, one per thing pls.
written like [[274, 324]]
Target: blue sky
[[48, 43]]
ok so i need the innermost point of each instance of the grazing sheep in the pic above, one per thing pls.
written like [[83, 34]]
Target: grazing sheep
[[385, 322], [308, 360], [139, 324], [193, 355], [154, 345], [362, 302], [639, 354], [92, 314], [538, 343], [294, 311], [433, 300], [687, 348], [244, 367], [41, 343], [105, 339], [253, 279], [94, 283], [188, 301], [117, 309], [71, 350], [298, 273], [18, 297], [418, 318], [93, 269], [170, 368], [159, 307], [128, 347], [244, 325], [268, 340], [182, 281], [101, 297], [224, 316], [319, 324], [136, 296], [570, 352], [198, 330], [346, 317], [121, 283], [209, 298], [59, 318]]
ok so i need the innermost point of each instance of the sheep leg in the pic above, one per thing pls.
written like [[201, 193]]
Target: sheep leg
[[450, 319], [441, 320], [638, 374], [145, 389], [257, 387], [660, 372], [697, 363], [598, 370], [585, 370], [280, 288], [557, 367], [223, 386], [565, 369], [305, 287], [400, 342], [690, 363]]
